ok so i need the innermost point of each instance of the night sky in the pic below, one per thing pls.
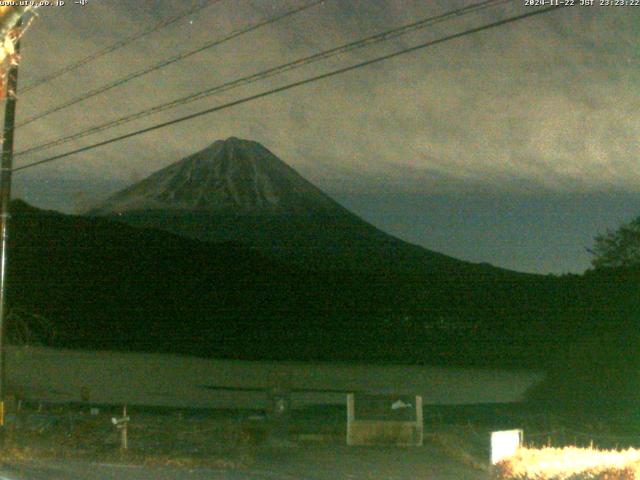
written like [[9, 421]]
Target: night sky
[[514, 146]]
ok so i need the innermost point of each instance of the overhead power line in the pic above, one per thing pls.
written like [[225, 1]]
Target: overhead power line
[[292, 85], [270, 72], [165, 63], [115, 46]]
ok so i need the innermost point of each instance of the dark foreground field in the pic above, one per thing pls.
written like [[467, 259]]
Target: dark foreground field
[[323, 462], [69, 443]]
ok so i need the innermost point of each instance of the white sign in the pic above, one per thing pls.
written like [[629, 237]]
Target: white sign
[[504, 444]]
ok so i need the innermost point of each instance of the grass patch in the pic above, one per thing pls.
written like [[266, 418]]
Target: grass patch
[[154, 439]]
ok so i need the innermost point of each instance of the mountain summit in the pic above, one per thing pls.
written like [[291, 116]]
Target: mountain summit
[[231, 176], [237, 190]]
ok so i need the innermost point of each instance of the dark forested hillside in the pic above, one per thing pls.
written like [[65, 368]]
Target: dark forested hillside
[[107, 285]]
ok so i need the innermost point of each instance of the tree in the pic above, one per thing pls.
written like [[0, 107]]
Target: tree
[[25, 327], [619, 248]]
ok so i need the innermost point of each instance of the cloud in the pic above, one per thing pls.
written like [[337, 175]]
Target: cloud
[[547, 103]]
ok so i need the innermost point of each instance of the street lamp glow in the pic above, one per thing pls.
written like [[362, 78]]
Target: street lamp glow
[[505, 444]]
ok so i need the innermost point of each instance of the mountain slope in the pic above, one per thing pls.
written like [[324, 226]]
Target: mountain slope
[[237, 190], [107, 285]]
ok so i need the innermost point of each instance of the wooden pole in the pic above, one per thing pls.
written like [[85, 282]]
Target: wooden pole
[[6, 168], [125, 440]]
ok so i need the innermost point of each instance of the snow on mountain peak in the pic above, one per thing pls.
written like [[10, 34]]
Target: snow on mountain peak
[[229, 176]]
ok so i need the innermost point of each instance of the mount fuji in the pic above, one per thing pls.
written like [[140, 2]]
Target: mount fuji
[[237, 190]]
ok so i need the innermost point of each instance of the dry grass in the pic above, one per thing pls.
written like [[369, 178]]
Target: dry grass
[[153, 439], [16, 454], [570, 463]]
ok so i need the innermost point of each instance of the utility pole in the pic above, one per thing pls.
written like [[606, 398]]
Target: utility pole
[[6, 170]]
